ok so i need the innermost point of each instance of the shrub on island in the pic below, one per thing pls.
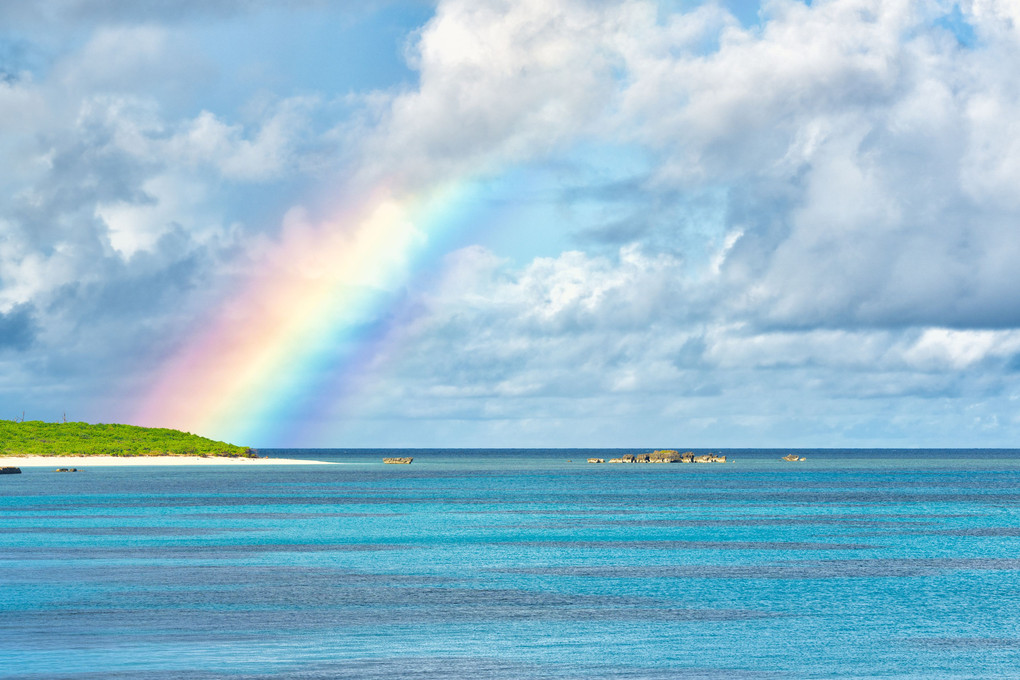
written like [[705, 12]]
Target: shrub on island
[[37, 438]]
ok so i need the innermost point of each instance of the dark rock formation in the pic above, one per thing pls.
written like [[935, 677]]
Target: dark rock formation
[[397, 461], [10, 471]]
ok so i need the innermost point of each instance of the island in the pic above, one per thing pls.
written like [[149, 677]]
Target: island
[[37, 443], [665, 456]]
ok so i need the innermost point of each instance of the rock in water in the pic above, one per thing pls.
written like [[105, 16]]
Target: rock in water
[[10, 471], [397, 461], [665, 456], [596, 460]]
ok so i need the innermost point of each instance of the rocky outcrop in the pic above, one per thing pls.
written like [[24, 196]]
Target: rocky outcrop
[[67, 469], [397, 461], [596, 460], [667, 456], [790, 457], [10, 471]]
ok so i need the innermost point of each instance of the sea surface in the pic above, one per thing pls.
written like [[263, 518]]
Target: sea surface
[[517, 564]]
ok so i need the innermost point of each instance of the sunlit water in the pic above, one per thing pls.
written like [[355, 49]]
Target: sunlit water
[[517, 564]]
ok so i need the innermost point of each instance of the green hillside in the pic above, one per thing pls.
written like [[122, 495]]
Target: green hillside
[[36, 438]]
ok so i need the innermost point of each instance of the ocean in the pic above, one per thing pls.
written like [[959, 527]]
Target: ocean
[[517, 564]]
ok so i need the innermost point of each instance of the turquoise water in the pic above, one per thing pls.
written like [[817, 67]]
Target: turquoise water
[[517, 564]]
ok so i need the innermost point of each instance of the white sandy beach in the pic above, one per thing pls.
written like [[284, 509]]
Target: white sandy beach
[[106, 461]]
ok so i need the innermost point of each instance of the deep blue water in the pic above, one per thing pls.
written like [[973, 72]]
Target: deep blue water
[[517, 564]]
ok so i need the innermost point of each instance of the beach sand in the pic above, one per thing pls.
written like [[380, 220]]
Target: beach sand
[[105, 461]]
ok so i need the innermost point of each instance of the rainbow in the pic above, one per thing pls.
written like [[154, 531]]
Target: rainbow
[[299, 332]]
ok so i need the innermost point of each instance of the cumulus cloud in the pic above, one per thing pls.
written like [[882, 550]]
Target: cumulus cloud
[[499, 82], [861, 144]]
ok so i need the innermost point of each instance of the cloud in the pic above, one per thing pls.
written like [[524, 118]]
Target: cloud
[[799, 218], [119, 11], [856, 142], [124, 218], [855, 135], [827, 210], [499, 82], [17, 328]]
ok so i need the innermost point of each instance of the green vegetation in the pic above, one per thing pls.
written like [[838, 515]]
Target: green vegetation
[[36, 438]]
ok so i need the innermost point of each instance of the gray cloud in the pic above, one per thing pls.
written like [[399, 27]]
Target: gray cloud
[[17, 328]]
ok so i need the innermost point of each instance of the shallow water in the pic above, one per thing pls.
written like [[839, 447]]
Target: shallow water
[[517, 564]]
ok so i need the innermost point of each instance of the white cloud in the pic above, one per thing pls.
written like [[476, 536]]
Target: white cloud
[[172, 202], [271, 151], [943, 348], [25, 274], [499, 82]]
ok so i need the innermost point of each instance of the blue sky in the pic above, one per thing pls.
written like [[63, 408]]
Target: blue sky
[[690, 224]]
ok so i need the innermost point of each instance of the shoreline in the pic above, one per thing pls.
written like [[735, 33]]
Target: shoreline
[[119, 461]]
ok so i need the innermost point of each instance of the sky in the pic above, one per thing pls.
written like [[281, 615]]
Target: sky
[[531, 223]]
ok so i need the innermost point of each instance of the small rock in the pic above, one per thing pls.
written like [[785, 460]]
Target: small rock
[[397, 461], [709, 458]]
